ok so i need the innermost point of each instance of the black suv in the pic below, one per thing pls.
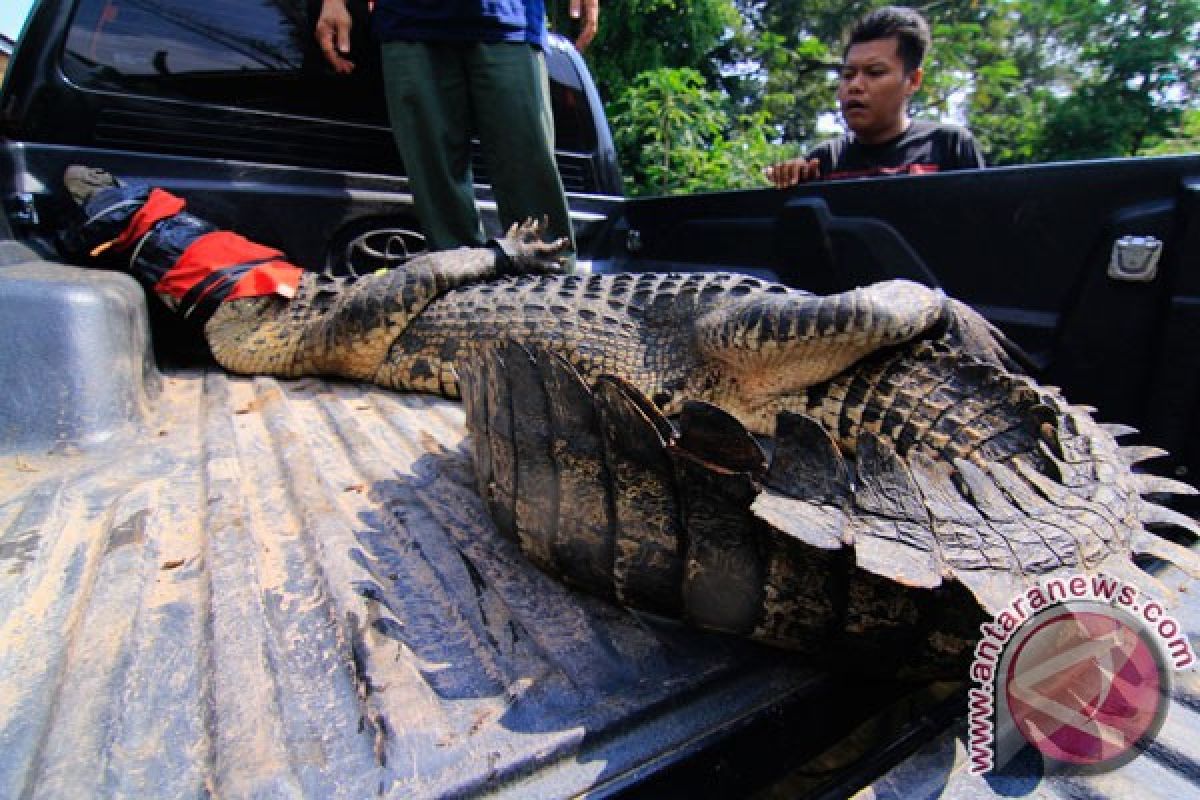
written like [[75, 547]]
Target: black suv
[[220, 104]]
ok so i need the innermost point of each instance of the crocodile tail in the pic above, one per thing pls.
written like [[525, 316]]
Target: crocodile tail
[[579, 478], [1016, 483], [887, 553], [972, 334], [603, 492]]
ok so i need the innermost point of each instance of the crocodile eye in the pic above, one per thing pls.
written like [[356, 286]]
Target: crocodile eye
[[661, 399]]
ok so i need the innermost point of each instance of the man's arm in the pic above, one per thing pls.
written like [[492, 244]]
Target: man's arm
[[812, 167], [790, 173], [589, 10], [333, 35]]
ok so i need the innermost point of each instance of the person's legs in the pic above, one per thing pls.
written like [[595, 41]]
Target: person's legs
[[510, 92], [430, 110]]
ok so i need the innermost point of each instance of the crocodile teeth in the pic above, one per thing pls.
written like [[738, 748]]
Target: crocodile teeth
[[1152, 514], [1156, 484], [1117, 430], [1148, 544], [1137, 453]]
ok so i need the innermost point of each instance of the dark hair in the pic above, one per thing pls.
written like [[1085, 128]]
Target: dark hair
[[909, 28]]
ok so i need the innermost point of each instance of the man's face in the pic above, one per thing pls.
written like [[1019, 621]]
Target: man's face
[[873, 90]]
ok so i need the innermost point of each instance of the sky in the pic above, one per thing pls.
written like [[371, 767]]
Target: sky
[[12, 16]]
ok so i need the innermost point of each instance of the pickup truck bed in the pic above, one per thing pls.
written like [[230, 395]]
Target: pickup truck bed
[[268, 588], [213, 584], [251, 587]]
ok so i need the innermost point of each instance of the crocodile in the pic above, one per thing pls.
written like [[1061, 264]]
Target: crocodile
[[862, 473], [734, 340]]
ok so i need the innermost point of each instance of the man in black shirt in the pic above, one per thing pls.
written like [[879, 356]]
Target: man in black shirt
[[881, 71]]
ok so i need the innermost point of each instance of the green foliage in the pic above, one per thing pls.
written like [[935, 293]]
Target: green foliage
[[679, 137], [703, 94], [637, 36], [1100, 120], [1185, 139], [1136, 68]]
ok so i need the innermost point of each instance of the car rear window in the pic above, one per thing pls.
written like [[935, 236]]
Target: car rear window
[[260, 55], [256, 54]]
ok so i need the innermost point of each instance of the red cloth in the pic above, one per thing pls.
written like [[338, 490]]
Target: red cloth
[[907, 169], [158, 206], [220, 249], [209, 253]]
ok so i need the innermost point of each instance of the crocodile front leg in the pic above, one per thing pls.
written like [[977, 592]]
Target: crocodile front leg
[[760, 350], [345, 327]]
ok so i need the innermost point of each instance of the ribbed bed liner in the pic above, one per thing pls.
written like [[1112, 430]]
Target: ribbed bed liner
[[292, 589]]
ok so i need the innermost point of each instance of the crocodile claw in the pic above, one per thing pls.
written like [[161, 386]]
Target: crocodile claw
[[528, 254]]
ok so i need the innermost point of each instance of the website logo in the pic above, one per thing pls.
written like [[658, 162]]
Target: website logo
[[1079, 668]]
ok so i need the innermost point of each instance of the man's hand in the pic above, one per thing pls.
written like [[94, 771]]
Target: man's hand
[[790, 173], [333, 35], [590, 10]]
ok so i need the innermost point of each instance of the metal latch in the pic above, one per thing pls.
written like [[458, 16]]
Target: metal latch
[[22, 212], [1135, 258], [633, 241]]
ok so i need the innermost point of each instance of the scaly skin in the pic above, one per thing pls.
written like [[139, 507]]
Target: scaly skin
[[733, 340], [902, 502], [916, 481]]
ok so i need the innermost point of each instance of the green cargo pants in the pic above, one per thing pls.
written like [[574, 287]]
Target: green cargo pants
[[438, 94]]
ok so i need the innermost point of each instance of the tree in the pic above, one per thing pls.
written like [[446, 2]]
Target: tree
[[1185, 139], [1138, 68], [637, 36], [678, 136], [742, 83]]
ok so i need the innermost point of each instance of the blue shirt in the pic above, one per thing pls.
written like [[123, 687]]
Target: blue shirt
[[461, 21]]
